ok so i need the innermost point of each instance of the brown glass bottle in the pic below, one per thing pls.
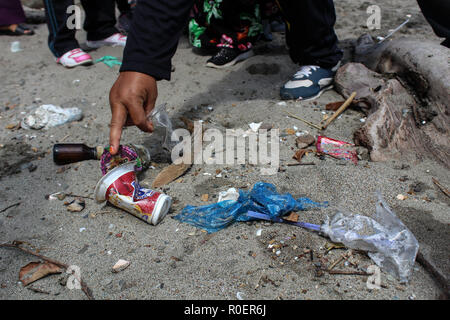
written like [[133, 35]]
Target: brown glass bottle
[[65, 153]]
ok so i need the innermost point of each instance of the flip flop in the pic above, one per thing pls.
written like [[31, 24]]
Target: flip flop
[[21, 30]]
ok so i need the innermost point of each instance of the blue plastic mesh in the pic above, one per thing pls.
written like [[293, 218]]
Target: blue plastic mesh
[[262, 198]]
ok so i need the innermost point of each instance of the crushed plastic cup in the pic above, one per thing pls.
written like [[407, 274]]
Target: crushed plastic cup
[[121, 188]]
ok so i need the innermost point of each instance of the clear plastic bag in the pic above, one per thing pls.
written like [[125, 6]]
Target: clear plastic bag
[[262, 198], [161, 119], [388, 241]]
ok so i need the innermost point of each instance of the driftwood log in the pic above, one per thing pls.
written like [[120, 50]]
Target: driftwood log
[[404, 89]]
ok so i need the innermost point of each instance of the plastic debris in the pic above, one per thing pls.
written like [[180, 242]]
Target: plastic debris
[[337, 149], [15, 47], [48, 115], [388, 241], [262, 198], [110, 61], [230, 194], [255, 126], [160, 119]]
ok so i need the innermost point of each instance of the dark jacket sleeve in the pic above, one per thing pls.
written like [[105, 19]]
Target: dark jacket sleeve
[[153, 37]]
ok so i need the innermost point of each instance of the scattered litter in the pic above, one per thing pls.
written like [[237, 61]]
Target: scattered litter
[[15, 47], [120, 265], [258, 232], [57, 196], [402, 197], [263, 198], [48, 115], [282, 104], [230, 194], [239, 296], [110, 61], [337, 149], [76, 205], [82, 229], [388, 241]]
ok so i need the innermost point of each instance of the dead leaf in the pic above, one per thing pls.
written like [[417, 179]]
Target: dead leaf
[[169, 174], [205, 197], [290, 131], [299, 154], [293, 217], [13, 126], [37, 270], [333, 106]]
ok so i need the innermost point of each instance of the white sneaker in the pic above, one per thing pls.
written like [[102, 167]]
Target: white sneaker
[[116, 39], [73, 58]]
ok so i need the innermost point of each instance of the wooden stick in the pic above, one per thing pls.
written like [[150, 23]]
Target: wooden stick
[[8, 207], [441, 187], [351, 273], [303, 120], [344, 256], [16, 245], [301, 164], [340, 110]]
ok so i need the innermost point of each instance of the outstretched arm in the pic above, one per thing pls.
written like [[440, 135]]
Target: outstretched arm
[[151, 44]]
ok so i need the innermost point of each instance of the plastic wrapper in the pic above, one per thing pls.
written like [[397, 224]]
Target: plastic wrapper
[[161, 119], [126, 153], [262, 198], [387, 240], [48, 115], [337, 149]]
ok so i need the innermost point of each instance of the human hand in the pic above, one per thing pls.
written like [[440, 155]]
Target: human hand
[[132, 98]]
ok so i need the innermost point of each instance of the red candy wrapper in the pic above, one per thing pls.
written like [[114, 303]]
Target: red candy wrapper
[[337, 149]]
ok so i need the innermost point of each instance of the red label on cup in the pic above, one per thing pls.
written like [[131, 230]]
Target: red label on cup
[[138, 201]]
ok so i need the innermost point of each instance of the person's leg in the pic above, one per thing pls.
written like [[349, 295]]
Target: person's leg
[[11, 12], [11, 17], [100, 19], [123, 6], [313, 44], [437, 14], [61, 39]]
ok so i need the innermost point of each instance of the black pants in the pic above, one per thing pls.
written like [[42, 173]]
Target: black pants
[[99, 23], [437, 13], [310, 32]]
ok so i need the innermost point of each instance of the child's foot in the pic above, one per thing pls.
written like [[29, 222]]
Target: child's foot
[[75, 57], [116, 39], [16, 30], [227, 57], [308, 83]]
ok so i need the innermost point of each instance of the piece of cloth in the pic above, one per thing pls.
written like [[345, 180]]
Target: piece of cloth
[[437, 13], [230, 23], [99, 23], [11, 12], [157, 26]]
